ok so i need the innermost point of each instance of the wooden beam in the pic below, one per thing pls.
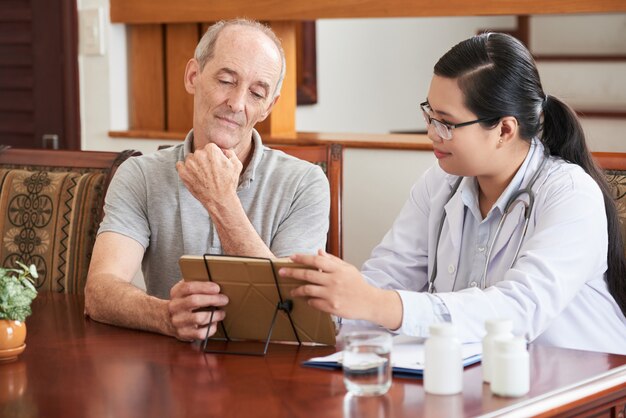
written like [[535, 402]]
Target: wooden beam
[[167, 11], [146, 97], [180, 44], [347, 140], [282, 120]]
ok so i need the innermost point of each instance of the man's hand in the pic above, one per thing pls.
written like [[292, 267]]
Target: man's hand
[[186, 300], [211, 175]]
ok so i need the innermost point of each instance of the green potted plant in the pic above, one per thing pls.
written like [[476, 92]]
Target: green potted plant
[[17, 291]]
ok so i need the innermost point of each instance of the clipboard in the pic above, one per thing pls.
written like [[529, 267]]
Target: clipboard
[[260, 306]]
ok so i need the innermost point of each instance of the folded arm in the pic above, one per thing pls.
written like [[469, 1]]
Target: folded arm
[[212, 176]]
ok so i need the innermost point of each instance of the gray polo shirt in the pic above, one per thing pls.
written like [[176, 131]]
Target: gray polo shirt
[[286, 199]]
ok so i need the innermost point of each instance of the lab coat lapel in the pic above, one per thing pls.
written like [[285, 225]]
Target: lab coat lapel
[[511, 231], [512, 227], [449, 249], [455, 212]]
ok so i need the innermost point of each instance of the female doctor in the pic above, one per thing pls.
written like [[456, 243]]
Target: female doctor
[[515, 221]]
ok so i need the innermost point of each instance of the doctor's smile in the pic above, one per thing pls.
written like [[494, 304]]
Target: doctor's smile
[[440, 154]]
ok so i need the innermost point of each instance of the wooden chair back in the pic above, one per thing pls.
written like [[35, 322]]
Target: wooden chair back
[[330, 158]]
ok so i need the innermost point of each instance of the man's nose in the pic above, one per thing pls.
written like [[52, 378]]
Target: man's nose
[[236, 100]]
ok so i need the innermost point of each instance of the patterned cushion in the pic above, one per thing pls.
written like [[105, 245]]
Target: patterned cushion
[[617, 181], [50, 219]]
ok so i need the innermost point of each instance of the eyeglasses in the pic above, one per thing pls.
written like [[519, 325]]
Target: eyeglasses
[[443, 129]]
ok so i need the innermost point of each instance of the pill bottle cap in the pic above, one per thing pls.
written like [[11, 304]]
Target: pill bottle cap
[[498, 325], [444, 329]]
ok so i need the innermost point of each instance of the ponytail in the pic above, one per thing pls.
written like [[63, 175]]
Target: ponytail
[[563, 136]]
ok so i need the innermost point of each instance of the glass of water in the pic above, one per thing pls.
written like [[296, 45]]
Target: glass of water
[[367, 362]]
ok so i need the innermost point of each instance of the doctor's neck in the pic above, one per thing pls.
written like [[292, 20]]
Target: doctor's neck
[[490, 187]]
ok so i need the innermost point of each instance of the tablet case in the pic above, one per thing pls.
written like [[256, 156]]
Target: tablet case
[[253, 292]]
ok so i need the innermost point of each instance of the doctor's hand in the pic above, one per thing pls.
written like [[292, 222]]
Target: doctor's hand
[[339, 288], [187, 306], [211, 175]]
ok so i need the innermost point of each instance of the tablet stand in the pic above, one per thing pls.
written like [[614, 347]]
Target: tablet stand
[[285, 305]]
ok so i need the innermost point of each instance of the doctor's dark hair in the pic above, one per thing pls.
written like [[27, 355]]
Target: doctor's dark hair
[[498, 76]]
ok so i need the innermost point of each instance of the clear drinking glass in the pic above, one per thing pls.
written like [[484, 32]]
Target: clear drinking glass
[[367, 362]]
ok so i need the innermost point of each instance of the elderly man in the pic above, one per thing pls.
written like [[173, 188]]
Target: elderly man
[[220, 192]]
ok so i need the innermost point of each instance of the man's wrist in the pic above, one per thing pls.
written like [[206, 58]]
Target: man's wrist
[[223, 205]]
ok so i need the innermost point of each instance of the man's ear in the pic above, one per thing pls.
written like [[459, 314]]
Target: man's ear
[[508, 128], [192, 71], [269, 109]]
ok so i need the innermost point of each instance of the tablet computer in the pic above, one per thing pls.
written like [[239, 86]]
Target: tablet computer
[[253, 287]]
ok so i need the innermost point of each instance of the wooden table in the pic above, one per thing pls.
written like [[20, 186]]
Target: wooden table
[[76, 367]]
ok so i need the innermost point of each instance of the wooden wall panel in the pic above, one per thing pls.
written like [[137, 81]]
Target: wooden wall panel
[[39, 72], [16, 55], [204, 26], [17, 100], [146, 77], [16, 77], [48, 54], [15, 32], [15, 11], [167, 11], [16, 73], [306, 58], [16, 122], [180, 43], [158, 101], [282, 120], [15, 140]]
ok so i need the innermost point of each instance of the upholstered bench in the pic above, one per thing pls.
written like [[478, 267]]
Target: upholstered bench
[[50, 209]]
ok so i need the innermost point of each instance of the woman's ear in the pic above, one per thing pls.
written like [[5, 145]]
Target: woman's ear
[[508, 129], [192, 71]]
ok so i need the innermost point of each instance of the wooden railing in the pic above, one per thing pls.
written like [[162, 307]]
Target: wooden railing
[[167, 11], [170, 22]]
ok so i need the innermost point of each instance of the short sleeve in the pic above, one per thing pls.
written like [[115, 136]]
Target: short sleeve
[[125, 207]]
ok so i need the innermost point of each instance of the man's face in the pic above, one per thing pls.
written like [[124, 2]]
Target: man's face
[[235, 90]]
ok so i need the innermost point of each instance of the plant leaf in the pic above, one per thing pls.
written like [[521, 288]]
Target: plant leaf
[[17, 292], [33, 271]]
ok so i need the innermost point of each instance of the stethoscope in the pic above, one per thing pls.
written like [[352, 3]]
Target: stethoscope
[[513, 201]]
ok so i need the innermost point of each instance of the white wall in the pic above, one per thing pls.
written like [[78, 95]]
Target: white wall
[[376, 185], [103, 91], [372, 74]]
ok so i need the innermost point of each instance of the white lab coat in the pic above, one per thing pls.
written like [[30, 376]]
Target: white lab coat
[[555, 293]]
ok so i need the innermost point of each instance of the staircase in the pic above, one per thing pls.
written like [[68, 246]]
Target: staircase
[[582, 60]]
